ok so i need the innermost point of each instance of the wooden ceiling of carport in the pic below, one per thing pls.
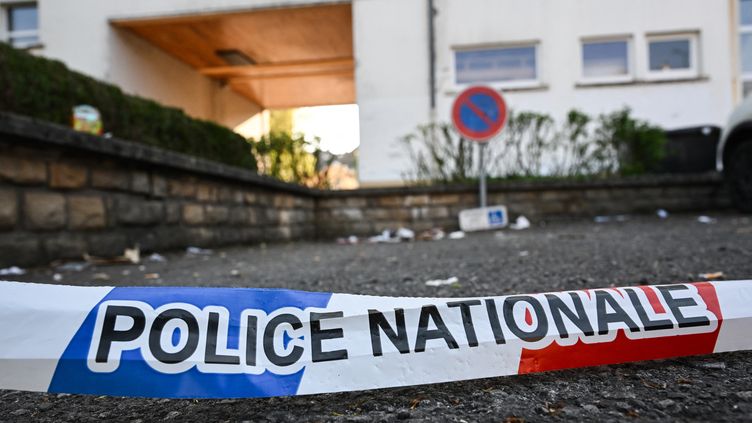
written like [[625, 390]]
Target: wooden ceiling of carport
[[303, 56]]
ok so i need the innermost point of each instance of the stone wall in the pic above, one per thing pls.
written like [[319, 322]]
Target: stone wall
[[369, 211], [64, 193]]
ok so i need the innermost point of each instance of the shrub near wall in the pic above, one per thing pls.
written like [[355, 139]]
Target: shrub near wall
[[534, 145], [48, 90]]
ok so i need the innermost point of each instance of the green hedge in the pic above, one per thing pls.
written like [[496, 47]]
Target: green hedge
[[47, 89]]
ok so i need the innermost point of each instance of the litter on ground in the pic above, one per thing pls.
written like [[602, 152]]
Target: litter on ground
[[457, 235], [350, 240], [434, 234], [387, 236], [73, 266], [383, 237], [520, 224], [663, 214], [13, 270], [711, 276], [405, 234], [157, 258], [441, 282], [706, 220], [130, 256], [198, 251], [606, 219]]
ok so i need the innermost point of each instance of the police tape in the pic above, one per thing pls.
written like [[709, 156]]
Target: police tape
[[227, 343]]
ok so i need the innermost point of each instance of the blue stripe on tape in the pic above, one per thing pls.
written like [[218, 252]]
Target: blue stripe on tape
[[134, 377]]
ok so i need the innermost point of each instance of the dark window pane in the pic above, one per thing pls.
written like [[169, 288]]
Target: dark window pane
[[667, 55], [746, 52], [23, 18], [494, 65], [605, 58], [745, 12], [747, 88]]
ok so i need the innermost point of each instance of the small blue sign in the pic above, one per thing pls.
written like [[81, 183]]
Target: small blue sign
[[496, 217]]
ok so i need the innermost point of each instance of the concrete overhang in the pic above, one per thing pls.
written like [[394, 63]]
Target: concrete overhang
[[278, 58]]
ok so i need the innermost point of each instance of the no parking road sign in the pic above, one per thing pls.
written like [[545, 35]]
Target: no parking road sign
[[479, 113]]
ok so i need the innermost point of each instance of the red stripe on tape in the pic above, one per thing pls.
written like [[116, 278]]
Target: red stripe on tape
[[623, 349], [654, 301]]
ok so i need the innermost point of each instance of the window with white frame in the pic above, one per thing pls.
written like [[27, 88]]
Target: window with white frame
[[745, 44], [606, 60], [502, 65], [673, 56], [22, 24]]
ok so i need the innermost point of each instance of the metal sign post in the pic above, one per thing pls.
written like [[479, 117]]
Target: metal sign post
[[482, 193]]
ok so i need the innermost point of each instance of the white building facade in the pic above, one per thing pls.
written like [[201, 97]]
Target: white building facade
[[676, 63]]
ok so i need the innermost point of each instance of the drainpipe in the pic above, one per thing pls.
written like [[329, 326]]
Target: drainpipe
[[432, 57]]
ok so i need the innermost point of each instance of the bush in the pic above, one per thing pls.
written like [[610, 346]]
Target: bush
[[439, 155], [533, 145], [48, 90], [291, 158], [637, 145]]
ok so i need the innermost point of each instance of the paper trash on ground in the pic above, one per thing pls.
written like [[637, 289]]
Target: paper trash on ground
[[457, 235], [387, 236], [157, 258], [13, 270], [706, 220], [441, 282], [405, 234], [130, 256], [198, 251], [520, 224], [433, 234], [73, 266], [606, 219]]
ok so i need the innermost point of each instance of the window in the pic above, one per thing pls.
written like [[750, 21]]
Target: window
[[745, 12], [22, 25], [501, 65], [606, 60], [745, 45], [672, 56]]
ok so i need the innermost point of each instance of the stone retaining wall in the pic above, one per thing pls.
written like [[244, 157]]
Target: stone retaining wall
[[64, 193], [370, 211]]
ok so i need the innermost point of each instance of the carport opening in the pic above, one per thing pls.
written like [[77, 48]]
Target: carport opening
[[284, 58]]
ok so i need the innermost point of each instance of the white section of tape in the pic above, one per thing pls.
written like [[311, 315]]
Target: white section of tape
[[40, 322], [364, 371], [735, 301], [344, 348]]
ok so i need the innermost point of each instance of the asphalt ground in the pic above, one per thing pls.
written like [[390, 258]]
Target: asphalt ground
[[548, 257]]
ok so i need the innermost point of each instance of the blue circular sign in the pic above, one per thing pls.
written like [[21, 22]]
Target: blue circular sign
[[479, 113]]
